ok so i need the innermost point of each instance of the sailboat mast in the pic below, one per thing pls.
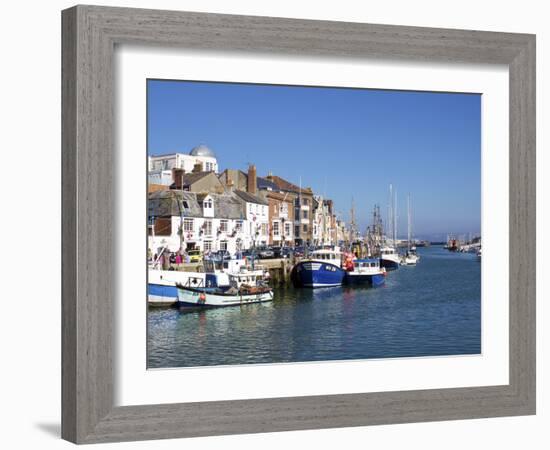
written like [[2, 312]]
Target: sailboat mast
[[389, 230], [352, 224], [408, 222], [395, 220]]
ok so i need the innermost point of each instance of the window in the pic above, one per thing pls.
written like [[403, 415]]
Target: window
[[283, 209], [305, 214], [304, 228], [287, 229], [207, 203], [239, 225], [187, 224], [275, 228], [207, 246], [297, 230], [223, 245], [305, 201], [223, 226], [264, 229], [208, 227], [185, 204]]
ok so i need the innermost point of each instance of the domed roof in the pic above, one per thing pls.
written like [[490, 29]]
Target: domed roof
[[202, 150]]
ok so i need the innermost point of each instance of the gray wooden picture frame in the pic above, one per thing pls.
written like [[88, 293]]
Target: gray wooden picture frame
[[90, 34]]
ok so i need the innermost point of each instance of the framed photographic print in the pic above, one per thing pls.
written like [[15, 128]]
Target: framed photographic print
[[278, 224]]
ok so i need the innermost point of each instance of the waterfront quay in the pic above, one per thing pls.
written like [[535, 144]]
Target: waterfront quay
[[431, 309]]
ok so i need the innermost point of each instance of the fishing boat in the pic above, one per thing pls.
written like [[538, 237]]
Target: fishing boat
[[365, 272], [243, 289], [389, 258], [322, 269], [162, 290], [161, 285]]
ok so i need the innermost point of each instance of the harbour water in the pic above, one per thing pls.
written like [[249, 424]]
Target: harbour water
[[428, 310]]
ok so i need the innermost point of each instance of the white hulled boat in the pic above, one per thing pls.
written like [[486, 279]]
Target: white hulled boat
[[244, 288]]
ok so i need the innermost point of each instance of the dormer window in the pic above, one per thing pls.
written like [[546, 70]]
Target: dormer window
[[207, 203]]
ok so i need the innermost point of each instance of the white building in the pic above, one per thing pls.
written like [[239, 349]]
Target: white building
[[257, 219], [160, 166], [208, 222]]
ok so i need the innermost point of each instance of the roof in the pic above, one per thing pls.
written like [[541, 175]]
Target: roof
[[285, 185], [250, 198], [188, 204], [191, 178], [264, 183], [281, 196]]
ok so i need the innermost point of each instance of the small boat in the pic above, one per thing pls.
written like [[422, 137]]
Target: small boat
[[409, 259], [243, 290], [478, 254], [366, 272], [322, 269], [161, 285], [162, 290], [389, 258]]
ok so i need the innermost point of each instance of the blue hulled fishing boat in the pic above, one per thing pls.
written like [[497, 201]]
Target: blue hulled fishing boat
[[322, 269]]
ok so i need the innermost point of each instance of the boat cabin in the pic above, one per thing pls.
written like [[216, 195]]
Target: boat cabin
[[367, 265], [249, 279], [328, 256]]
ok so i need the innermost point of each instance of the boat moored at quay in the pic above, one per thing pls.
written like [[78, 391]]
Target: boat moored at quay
[[365, 272], [389, 258], [322, 269], [242, 289], [162, 284]]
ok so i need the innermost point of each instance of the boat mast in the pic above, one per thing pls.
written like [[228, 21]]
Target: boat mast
[[395, 220], [408, 223], [352, 224], [389, 226], [300, 218]]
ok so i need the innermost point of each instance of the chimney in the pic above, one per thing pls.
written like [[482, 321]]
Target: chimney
[[177, 175], [229, 180], [270, 175], [197, 167], [251, 187]]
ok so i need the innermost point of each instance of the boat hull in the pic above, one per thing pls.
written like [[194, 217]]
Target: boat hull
[[161, 295], [312, 274], [389, 263], [364, 279], [215, 298]]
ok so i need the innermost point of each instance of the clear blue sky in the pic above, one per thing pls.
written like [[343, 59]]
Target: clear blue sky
[[343, 143]]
